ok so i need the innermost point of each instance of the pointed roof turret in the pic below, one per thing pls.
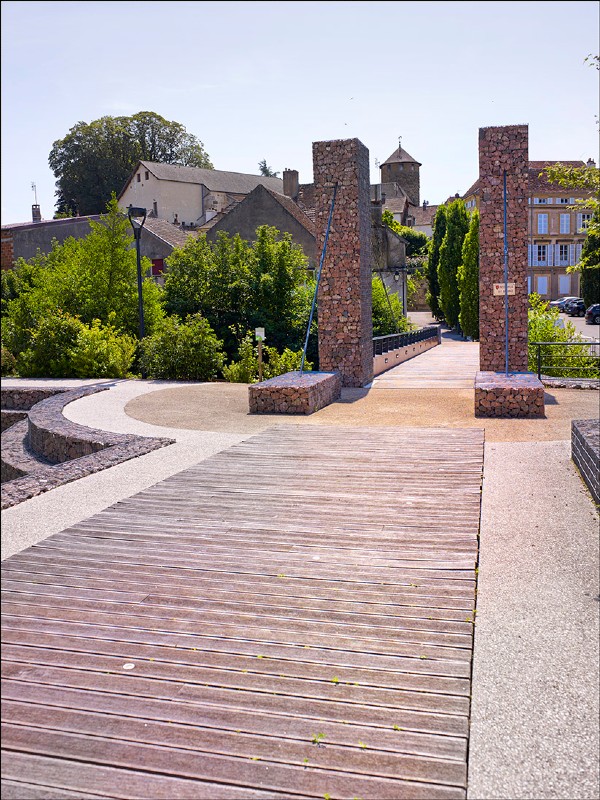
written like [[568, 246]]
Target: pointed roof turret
[[400, 156]]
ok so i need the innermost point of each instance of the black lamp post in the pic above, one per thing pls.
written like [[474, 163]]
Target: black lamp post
[[138, 213]]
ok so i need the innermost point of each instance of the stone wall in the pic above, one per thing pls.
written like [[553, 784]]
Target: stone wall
[[503, 149], [585, 452], [294, 393], [344, 301], [7, 250]]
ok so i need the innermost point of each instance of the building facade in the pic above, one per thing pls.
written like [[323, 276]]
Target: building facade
[[556, 231]]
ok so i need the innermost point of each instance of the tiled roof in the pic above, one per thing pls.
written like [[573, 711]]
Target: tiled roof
[[400, 156], [424, 216], [167, 232], [214, 179], [536, 183], [292, 208], [395, 204], [54, 222]]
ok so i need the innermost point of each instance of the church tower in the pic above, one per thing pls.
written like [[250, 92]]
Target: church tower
[[402, 169]]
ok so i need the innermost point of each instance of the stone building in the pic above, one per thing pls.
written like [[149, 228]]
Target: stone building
[[555, 231]]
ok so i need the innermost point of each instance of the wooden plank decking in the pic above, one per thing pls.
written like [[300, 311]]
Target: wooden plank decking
[[290, 618]]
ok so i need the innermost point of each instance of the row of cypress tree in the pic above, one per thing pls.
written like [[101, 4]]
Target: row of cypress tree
[[453, 268]]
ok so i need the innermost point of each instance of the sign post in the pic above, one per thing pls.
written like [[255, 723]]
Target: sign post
[[260, 336]]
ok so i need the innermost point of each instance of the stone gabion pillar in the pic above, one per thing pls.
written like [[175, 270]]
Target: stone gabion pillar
[[503, 148], [344, 301]]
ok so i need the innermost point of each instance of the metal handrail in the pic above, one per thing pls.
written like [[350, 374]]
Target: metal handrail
[[394, 341], [589, 370]]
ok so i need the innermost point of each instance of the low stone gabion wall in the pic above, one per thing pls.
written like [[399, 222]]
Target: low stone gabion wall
[[585, 452], [46, 450], [22, 399], [294, 393], [516, 395]]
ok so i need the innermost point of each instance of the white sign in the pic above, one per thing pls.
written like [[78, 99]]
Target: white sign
[[260, 334], [499, 289]]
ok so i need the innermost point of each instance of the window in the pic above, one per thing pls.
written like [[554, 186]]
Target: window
[[139, 177], [146, 175], [158, 266], [565, 223], [541, 254], [583, 220], [542, 223], [562, 201], [564, 284], [563, 255], [542, 284], [539, 201], [529, 284]]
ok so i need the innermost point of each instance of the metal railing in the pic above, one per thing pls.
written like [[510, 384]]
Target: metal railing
[[384, 344], [554, 361]]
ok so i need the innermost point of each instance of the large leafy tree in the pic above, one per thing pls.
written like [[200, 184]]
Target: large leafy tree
[[95, 159], [238, 286], [457, 225], [416, 241], [439, 231], [468, 280], [94, 278], [265, 169]]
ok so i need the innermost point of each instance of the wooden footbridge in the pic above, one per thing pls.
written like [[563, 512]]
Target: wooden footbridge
[[291, 618]]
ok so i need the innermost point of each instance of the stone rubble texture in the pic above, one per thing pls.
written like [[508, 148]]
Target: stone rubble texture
[[344, 299], [585, 452], [500, 149], [294, 393], [498, 395]]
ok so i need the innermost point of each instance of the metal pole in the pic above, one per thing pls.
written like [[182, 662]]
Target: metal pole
[[260, 361], [137, 232], [505, 283], [312, 309]]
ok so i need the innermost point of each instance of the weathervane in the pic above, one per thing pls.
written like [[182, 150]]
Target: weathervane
[[400, 143]]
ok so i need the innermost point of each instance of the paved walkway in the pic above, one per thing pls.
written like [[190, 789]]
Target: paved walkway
[[452, 365]]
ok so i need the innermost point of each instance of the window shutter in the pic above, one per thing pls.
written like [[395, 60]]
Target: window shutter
[[572, 255], [550, 255], [535, 255], [549, 201], [578, 250], [529, 257], [579, 222]]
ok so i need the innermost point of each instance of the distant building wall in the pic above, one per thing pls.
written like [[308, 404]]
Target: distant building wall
[[174, 199], [30, 237]]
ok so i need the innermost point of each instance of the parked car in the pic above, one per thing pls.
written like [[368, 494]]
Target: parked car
[[560, 304], [576, 308], [592, 315]]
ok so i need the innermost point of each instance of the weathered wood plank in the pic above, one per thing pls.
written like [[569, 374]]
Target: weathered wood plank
[[306, 581]]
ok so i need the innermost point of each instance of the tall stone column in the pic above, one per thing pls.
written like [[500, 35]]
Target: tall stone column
[[344, 299], [500, 149]]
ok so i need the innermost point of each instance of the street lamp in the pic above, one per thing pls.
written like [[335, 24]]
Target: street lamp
[[138, 213]]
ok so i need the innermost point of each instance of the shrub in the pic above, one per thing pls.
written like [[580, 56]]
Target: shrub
[[245, 370], [101, 352], [49, 354], [184, 351], [8, 362], [568, 361]]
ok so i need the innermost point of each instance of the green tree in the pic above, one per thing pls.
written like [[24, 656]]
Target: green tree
[[265, 170], [388, 316], [468, 280], [439, 231], [90, 278], [417, 242], [457, 225], [589, 263], [238, 286], [95, 159]]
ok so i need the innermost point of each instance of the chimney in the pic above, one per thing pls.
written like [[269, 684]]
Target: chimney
[[36, 214], [291, 184], [590, 163]]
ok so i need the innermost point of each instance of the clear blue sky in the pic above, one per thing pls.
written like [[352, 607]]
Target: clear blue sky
[[256, 80]]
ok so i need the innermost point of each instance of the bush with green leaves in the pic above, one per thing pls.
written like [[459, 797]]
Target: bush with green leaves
[[245, 369], [457, 225], [568, 361], [183, 351], [439, 231], [8, 361], [387, 310], [62, 346]]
